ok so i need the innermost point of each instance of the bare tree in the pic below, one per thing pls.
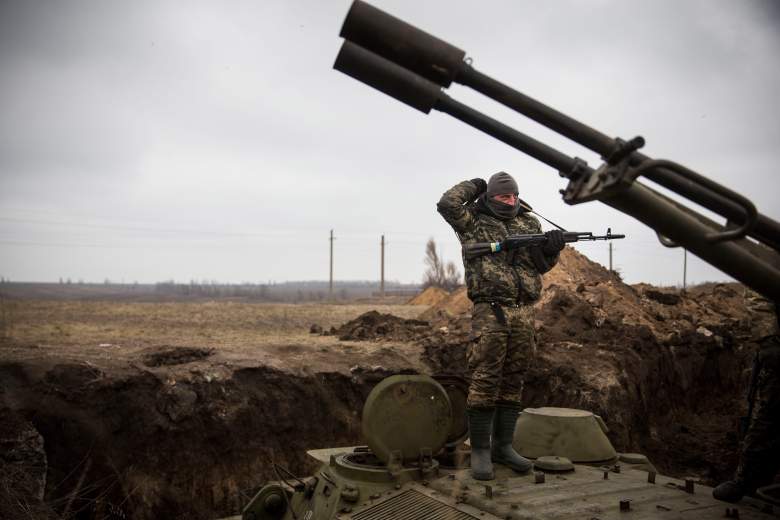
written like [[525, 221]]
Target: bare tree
[[452, 277], [439, 274]]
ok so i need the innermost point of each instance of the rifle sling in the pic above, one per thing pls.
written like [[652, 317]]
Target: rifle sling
[[755, 373], [547, 220], [499, 312]]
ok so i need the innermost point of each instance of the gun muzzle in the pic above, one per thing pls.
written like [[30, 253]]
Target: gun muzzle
[[403, 44], [386, 76]]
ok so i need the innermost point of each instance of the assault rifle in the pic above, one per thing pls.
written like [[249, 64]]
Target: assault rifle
[[414, 67], [513, 242]]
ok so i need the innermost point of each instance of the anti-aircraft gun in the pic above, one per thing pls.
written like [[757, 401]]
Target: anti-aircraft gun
[[414, 67], [412, 467]]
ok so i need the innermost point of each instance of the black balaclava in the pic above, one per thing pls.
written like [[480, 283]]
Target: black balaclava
[[499, 183]]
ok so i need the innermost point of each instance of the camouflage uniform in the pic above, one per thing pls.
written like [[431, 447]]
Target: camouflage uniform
[[760, 458], [503, 284]]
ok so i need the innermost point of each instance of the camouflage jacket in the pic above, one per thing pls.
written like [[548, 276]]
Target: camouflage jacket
[[506, 277]]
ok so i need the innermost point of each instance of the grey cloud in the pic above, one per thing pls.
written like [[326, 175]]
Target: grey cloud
[[228, 117]]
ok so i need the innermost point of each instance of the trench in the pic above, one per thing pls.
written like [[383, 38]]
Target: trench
[[139, 447]]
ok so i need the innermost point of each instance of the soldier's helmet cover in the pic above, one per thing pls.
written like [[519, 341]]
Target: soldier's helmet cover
[[499, 184]]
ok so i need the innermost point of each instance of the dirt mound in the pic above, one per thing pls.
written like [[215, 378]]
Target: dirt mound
[[665, 368], [444, 343], [430, 296], [455, 304], [574, 268], [167, 356], [376, 326]]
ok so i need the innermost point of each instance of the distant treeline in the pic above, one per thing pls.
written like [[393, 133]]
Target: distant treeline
[[291, 292], [313, 291]]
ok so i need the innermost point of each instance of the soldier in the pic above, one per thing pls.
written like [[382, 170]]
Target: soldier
[[760, 456], [503, 287]]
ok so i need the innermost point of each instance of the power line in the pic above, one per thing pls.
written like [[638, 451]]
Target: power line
[[382, 270], [136, 228], [330, 286], [280, 231], [168, 245]]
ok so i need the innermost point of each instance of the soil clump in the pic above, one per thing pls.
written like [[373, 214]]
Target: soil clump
[[376, 326], [166, 356], [455, 304], [430, 296]]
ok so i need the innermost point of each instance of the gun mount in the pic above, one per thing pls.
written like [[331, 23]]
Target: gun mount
[[414, 67]]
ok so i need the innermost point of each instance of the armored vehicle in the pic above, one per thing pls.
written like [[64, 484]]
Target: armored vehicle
[[414, 467]]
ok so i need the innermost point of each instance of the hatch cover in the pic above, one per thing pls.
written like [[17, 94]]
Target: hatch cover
[[406, 413]]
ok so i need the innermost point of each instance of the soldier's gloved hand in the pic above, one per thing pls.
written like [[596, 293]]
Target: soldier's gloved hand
[[554, 242], [481, 186]]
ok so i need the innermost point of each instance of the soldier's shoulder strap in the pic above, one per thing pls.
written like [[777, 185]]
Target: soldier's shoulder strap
[[524, 206], [527, 208]]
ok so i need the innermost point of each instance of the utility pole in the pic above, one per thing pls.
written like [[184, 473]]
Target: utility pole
[[330, 287], [685, 269], [610, 257], [382, 271]]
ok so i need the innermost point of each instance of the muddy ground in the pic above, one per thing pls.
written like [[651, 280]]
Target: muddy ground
[[177, 410]]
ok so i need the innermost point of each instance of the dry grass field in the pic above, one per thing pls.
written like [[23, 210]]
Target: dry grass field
[[213, 324]]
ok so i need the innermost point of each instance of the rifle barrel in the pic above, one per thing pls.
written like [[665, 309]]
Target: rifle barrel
[[402, 43], [504, 133], [386, 76], [604, 237]]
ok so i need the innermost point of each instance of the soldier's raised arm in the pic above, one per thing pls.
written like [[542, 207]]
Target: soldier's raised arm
[[453, 204]]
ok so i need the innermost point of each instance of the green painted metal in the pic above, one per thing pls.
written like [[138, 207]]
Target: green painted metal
[[406, 414], [354, 483], [633, 458], [565, 432], [553, 463], [457, 389], [270, 503]]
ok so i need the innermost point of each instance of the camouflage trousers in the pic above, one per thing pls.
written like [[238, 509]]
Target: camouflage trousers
[[760, 457], [499, 354]]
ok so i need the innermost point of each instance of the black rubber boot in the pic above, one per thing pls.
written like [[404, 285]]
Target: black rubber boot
[[480, 426], [730, 491], [503, 435]]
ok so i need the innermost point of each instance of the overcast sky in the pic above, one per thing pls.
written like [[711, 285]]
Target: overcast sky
[[151, 140]]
